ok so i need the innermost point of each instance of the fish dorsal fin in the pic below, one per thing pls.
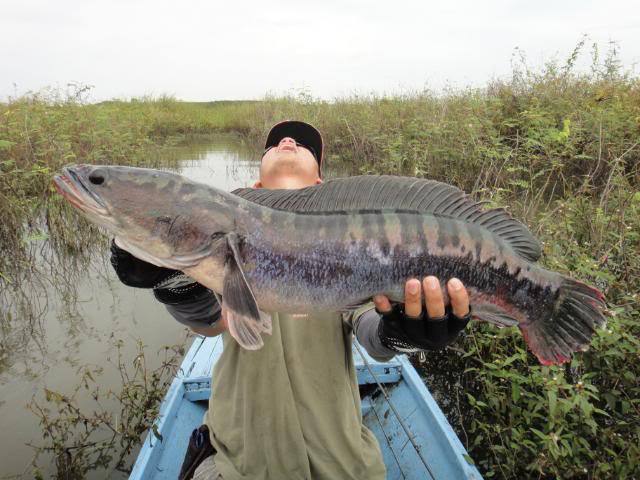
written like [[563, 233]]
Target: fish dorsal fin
[[404, 193]]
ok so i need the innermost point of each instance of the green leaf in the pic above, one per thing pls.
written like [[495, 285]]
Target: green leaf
[[553, 402], [542, 436], [53, 396], [156, 432], [468, 459], [5, 144], [515, 392], [35, 237]]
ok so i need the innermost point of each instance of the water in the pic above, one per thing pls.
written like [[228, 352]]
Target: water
[[63, 319]]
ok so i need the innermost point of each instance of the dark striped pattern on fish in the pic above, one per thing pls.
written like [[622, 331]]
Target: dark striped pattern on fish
[[272, 260], [344, 258], [390, 192]]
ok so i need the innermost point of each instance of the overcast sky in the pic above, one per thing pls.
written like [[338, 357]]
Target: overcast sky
[[234, 49]]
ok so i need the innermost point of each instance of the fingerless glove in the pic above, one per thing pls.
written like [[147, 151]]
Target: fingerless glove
[[404, 334]]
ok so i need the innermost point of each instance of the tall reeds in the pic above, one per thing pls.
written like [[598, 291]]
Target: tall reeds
[[558, 146]]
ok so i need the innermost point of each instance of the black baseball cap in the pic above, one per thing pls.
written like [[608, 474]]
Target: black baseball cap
[[301, 132]]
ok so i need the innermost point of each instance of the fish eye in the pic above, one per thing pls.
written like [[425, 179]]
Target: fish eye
[[96, 177]]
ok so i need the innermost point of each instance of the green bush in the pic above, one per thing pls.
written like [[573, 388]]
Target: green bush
[[558, 147], [561, 150], [41, 132], [576, 421]]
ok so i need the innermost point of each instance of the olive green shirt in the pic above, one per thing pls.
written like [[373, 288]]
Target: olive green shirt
[[291, 410]]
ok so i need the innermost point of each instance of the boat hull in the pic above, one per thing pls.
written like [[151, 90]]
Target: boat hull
[[416, 440]]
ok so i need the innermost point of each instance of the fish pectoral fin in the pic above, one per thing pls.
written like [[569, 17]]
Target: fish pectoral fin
[[493, 314], [246, 322], [246, 330]]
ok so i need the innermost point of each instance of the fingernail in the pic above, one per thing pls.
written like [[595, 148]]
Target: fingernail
[[432, 283], [455, 284], [413, 287]]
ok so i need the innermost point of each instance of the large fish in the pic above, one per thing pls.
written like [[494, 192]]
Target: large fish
[[334, 256]]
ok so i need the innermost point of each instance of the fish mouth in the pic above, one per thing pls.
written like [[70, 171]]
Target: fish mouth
[[70, 185]]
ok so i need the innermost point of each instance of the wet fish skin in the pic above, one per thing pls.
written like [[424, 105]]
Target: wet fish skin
[[385, 249], [302, 263]]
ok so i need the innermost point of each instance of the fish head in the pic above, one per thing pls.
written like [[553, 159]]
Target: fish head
[[158, 216]]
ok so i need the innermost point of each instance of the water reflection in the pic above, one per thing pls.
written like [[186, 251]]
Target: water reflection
[[63, 307], [227, 163]]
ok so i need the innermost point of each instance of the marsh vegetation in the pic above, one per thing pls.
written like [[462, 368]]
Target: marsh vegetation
[[557, 146]]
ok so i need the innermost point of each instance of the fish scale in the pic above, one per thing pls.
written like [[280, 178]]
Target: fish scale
[[321, 245], [320, 251]]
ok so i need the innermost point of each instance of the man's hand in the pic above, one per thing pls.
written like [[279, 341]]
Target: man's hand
[[409, 330]]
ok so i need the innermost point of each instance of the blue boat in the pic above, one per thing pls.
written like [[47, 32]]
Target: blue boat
[[416, 440]]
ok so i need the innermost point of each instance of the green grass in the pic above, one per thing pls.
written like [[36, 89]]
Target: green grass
[[40, 133], [558, 147]]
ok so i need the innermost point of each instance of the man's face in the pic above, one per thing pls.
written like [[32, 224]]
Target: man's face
[[288, 165]]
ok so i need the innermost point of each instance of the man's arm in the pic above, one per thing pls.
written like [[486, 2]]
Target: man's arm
[[365, 323], [202, 314], [212, 331], [187, 301]]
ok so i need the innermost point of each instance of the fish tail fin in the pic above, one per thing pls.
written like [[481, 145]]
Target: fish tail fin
[[493, 314], [575, 315]]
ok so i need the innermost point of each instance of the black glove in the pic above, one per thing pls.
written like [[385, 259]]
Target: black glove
[[404, 334], [169, 286]]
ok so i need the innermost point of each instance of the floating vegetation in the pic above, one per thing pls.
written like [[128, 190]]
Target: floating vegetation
[[80, 438]]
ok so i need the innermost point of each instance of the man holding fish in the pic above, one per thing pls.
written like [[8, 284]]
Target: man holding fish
[[291, 409]]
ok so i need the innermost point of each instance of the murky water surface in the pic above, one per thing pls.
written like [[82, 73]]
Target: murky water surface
[[72, 318]]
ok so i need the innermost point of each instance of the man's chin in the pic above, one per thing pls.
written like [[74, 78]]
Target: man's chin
[[287, 166], [286, 176], [287, 156]]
